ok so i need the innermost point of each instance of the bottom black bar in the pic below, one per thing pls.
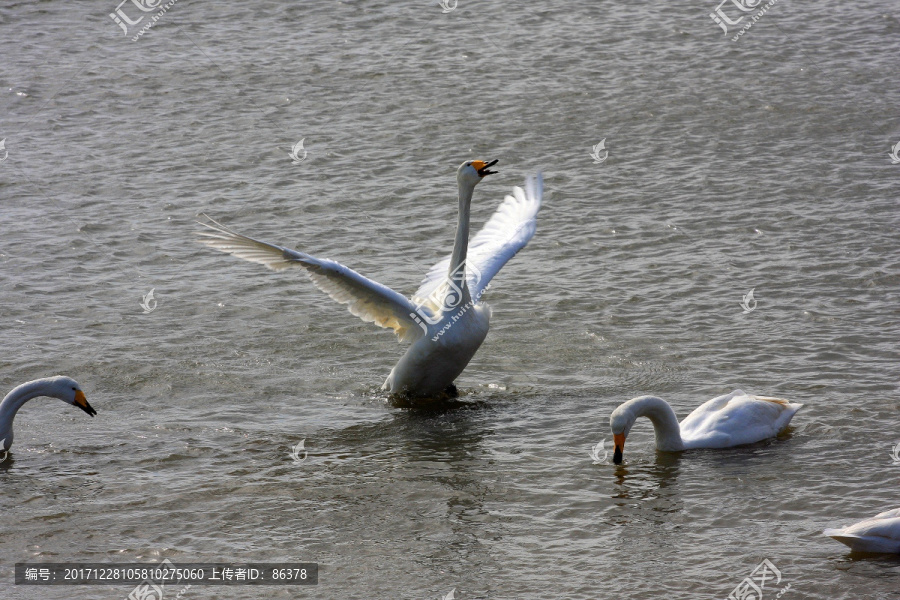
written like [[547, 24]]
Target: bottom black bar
[[157, 575]]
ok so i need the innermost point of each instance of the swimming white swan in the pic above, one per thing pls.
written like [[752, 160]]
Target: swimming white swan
[[730, 420], [881, 533], [444, 320], [64, 388]]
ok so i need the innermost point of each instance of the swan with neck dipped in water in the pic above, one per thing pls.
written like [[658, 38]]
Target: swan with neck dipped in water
[[64, 388], [734, 419], [445, 320]]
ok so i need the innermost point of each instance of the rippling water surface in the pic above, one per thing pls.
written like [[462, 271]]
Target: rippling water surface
[[758, 164]]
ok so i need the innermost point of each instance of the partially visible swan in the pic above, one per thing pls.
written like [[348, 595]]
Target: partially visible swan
[[444, 320], [730, 420], [880, 533], [64, 388]]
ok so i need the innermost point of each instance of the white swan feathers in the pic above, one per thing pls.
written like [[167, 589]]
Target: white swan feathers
[[445, 320], [880, 533], [730, 420]]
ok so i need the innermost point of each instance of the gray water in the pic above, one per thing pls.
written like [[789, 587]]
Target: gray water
[[758, 164]]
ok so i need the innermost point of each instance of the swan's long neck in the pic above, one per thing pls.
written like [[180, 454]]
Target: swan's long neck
[[665, 423], [11, 405], [457, 272]]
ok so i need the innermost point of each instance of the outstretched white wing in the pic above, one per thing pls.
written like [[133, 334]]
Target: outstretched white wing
[[507, 232], [367, 299]]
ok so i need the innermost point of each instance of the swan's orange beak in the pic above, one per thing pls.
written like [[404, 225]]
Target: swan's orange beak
[[619, 440], [482, 167], [82, 403]]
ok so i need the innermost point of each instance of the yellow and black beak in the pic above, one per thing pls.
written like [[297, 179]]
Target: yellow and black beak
[[82, 403], [619, 440], [482, 167]]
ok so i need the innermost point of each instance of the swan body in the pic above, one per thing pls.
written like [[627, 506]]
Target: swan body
[[880, 533], [433, 362], [445, 320], [64, 388], [730, 420]]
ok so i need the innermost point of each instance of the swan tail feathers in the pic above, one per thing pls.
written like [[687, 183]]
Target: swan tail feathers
[[839, 535], [780, 401]]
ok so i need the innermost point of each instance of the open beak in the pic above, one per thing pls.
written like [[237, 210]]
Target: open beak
[[82, 403], [482, 167], [619, 440]]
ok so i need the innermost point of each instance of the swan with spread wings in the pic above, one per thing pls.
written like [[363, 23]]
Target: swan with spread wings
[[445, 320]]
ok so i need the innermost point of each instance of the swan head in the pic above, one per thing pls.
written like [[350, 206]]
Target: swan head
[[621, 421], [68, 390], [473, 171]]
